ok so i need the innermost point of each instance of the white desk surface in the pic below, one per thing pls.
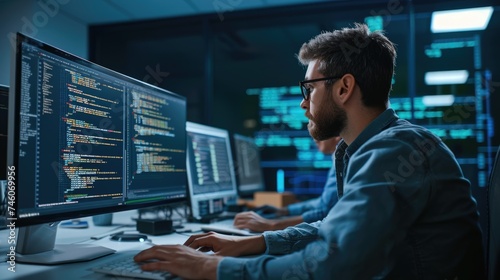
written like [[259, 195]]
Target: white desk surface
[[82, 270]]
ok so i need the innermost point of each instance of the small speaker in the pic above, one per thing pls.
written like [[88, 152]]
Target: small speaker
[[154, 227]]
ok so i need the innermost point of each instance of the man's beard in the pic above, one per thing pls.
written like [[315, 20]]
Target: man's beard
[[330, 121]]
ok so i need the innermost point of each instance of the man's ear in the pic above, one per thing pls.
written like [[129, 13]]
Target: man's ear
[[346, 87]]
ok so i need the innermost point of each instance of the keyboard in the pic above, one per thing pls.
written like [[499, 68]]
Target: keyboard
[[227, 227], [126, 267]]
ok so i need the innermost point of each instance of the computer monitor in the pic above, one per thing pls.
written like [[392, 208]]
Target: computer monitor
[[4, 100], [247, 166], [211, 179], [85, 140]]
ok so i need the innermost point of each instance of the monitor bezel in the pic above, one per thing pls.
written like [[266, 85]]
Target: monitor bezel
[[3, 172], [14, 126], [218, 132]]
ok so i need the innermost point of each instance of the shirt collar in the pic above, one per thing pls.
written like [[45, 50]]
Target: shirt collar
[[376, 126]]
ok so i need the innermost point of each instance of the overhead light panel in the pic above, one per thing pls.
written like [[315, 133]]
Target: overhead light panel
[[446, 77], [438, 100], [461, 20]]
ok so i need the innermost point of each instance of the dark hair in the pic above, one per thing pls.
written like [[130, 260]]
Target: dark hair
[[369, 56]]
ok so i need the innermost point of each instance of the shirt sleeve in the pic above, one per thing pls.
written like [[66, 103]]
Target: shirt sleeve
[[297, 209], [291, 239], [357, 239], [278, 242]]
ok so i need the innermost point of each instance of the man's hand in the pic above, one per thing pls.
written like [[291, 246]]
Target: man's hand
[[227, 245], [179, 260], [253, 221]]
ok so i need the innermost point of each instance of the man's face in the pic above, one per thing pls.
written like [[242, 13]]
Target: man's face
[[326, 118]]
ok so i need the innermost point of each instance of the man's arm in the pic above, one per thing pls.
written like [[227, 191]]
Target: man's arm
[[318, 209], [354, 241], [255, 222], [189, 261], [361, 231], [283, 223]]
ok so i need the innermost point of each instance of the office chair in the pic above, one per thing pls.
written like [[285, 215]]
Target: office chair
[[494, 221]]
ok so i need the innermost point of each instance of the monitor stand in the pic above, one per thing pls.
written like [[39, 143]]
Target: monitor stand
[[36, 245]]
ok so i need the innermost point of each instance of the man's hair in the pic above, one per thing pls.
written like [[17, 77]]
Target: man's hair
[[369, 56]]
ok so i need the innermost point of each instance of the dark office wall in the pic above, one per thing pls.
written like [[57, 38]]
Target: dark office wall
[[213, 59]]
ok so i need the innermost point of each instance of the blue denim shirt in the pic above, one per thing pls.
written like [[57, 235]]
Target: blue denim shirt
[[316, 209], [405, 212]]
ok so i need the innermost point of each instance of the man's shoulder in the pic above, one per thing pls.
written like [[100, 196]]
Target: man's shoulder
[[403, 138], [406, 132]]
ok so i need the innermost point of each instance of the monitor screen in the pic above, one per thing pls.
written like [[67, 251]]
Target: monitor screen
[[210, 170], [4, 100], [248, 168], [87, 140]]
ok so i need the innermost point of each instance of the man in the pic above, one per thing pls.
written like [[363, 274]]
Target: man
[[405, 210], [306, 211]]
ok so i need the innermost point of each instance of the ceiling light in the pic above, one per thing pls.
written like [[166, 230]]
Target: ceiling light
[[438, 100], [461, 20], [446, 77]]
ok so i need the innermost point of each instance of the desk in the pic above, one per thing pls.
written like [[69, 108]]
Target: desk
[[82, 270]]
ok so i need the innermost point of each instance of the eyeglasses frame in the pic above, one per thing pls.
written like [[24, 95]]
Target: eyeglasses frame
[[308, 94]]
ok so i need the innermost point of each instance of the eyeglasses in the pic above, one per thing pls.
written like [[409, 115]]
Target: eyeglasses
[[306, 92]]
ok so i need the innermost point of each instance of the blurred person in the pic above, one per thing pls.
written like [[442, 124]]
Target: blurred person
[[306, 211]]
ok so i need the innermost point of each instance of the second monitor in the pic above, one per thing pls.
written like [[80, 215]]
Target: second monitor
[[210, 170], [248, 167]]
